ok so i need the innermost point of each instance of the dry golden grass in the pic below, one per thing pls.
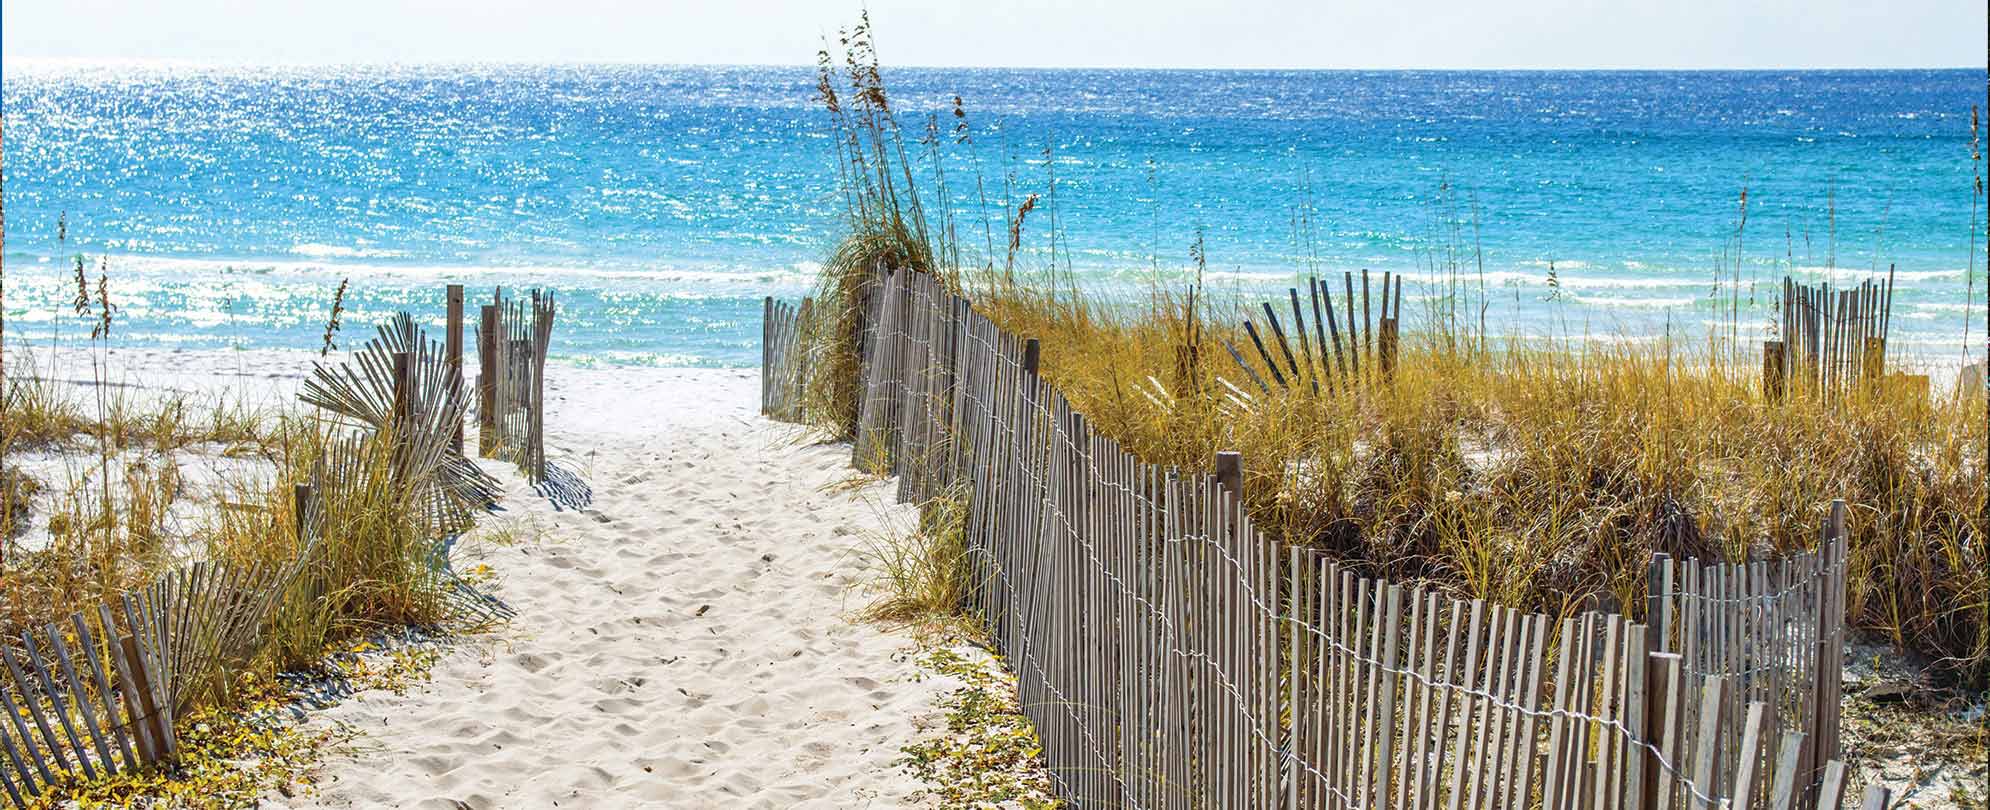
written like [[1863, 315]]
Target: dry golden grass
[[374, 565], [39, 415], [1546, 476], [96, 549], [377, 568], [1541, 474]]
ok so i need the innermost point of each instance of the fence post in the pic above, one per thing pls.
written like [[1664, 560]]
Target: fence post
[[767, 355], [403, 417], [1385, 347], [148, 706], [1634, 705], [1877, 798], [300, 503], [1032, 355], [1748, 764], [1821, 746], [542, 314], [1657, 593], [404, 394], [1774, 370], [795, 378], [1230, 473], [1831, 790], [453, 353], [1661, 723], [487, 338], [1830, 631], [1706, 762]]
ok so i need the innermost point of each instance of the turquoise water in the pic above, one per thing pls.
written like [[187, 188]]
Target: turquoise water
[[664, 202]]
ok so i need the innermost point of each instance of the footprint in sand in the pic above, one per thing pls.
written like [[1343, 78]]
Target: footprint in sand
[[609, 690]]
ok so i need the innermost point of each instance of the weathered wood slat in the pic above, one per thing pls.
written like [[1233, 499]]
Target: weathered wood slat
[[24, 691], [151, 747], [24, 737], [88, 644], [141, 657], [81, 699], [146, 706], [55, 698], [20, 762], [1783, 791], [13, 792]]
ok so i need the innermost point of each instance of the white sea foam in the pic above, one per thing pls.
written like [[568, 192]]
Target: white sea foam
[[1654, 303], [154, 272], [1949, 307], [320, 251], [1855, 275], [1513, 278]]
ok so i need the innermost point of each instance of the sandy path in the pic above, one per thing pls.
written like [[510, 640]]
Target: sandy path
[[683, 641]]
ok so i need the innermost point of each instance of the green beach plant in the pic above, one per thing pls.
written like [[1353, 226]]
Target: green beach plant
[[923, 572]]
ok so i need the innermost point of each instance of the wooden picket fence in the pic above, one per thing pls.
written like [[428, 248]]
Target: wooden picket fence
[[1362, 348], [1830, 340], [100, 694], [782, 357], [1774, 631], [513, 336], [1172, 656]]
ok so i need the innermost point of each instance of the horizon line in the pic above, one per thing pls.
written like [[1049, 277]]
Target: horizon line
[[186, 62]]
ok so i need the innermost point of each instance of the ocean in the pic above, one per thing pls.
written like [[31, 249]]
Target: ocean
[[228, 203]]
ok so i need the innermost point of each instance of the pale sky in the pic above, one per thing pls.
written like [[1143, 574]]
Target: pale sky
[[1105, 33]]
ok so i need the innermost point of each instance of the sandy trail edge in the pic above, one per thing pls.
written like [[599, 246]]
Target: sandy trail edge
[[683, 641]]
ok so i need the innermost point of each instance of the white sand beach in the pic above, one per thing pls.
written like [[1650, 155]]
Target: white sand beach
[[683, 640], [685, 633]]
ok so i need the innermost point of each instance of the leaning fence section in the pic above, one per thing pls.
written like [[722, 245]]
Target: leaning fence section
[[97, 695], [100, 693], [513, 337], [1363, 348], [1774, 632], [1172, 656]]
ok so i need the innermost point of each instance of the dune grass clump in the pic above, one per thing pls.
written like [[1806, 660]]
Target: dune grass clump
[[17, 490], [374, 564], [39, 416], [885, 221], [98, 547], [1542, 473], [108, 527], [923, 574]]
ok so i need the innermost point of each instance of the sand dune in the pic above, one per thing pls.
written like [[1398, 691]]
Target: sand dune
[[683, 640]]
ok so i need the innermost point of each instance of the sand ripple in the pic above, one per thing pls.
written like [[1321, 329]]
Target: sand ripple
[[683, 641]]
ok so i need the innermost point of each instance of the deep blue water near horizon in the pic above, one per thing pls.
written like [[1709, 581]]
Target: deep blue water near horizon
[[663, 202]]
